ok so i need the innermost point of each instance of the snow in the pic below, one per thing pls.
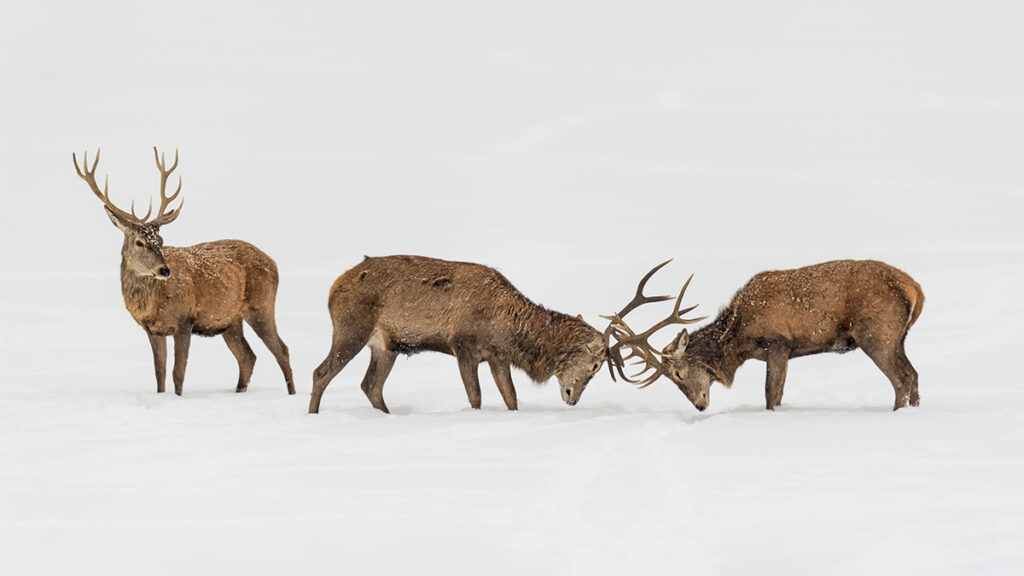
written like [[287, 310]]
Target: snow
[[573, 147]]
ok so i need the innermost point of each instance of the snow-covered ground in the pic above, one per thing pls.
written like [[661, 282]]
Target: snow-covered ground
[[572, 146]]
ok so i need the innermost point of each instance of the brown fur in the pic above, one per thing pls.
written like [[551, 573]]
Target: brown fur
[[409, 304], [211, 289], [206, 289], [830, 307]]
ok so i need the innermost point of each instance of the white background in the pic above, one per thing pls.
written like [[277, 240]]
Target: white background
[[572, 146]]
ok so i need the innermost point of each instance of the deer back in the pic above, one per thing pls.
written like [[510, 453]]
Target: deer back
[[414, 298], [816, 305]]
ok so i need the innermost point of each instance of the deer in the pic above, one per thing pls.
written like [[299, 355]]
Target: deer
[[410, 304], [835, 306], [207, 289]]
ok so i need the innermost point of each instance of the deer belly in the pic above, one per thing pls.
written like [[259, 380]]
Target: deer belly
[[207, 324], [409, 342]]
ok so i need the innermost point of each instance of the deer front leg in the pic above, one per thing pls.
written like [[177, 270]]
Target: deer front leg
[[502, 373], [159, 345], [182, 338], [777, 359], [471, 379]]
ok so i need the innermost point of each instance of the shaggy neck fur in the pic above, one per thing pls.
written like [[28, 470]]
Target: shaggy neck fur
[[139, 291], [708, 345], [544, 339]]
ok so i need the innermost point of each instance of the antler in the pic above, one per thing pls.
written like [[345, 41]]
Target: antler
[[90, 178], [162, 216], [638, 344], [639, 299]]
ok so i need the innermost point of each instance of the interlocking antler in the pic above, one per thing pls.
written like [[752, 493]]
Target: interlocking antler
[[163, 217], [638, 344], [90, 178], [639, 299]]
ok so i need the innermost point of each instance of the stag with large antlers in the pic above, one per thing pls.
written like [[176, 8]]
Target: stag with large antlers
[[407, 304], [835, 306], [206, 289]]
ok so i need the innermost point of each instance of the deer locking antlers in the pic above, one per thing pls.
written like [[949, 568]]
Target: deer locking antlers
[[637, 344]]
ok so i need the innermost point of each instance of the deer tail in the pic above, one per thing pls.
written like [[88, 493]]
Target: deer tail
[[915, 301]]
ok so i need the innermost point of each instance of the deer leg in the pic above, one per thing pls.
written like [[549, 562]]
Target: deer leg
[[347, 343], [909, 376], [885, 357], [777, 360], [266, 328], [470, 378], [159, 345], [182, 339], [502, 373], [381, 362], [243, 353]]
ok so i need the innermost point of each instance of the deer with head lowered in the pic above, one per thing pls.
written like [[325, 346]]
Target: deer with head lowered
[[408, 304], [206, 289], [835, 306]]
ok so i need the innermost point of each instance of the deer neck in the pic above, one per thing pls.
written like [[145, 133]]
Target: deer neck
[[713, 345], [141, 293], [541, 340]]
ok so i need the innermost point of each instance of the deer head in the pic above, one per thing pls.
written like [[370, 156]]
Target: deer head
[[141, 252], [579, 365], [690, 375]]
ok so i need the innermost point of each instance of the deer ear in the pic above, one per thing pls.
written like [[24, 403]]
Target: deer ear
[[678, 346], [120, 224]]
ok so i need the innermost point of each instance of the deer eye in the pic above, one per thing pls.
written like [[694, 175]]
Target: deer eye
[[139, 243]]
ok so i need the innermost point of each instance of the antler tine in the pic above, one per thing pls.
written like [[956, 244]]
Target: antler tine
[[148, 210], [163, 217], [639, 299], [674, 318], [638, 344], [616, 323], [90, 178]]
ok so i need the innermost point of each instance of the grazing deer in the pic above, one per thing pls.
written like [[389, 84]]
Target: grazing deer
[[830, 307], [409, 304], [206, 289]]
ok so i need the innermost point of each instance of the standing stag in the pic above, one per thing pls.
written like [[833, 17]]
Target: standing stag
[[830, 307], [206, 289], [409, 304]]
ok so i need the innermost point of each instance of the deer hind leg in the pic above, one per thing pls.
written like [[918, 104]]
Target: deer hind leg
[[182, 339], [909, 376], [885, 356], [349, 339], [262, 322], [235, 340], [159, 345], [777, 360], [381, 362], [502, 373]]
